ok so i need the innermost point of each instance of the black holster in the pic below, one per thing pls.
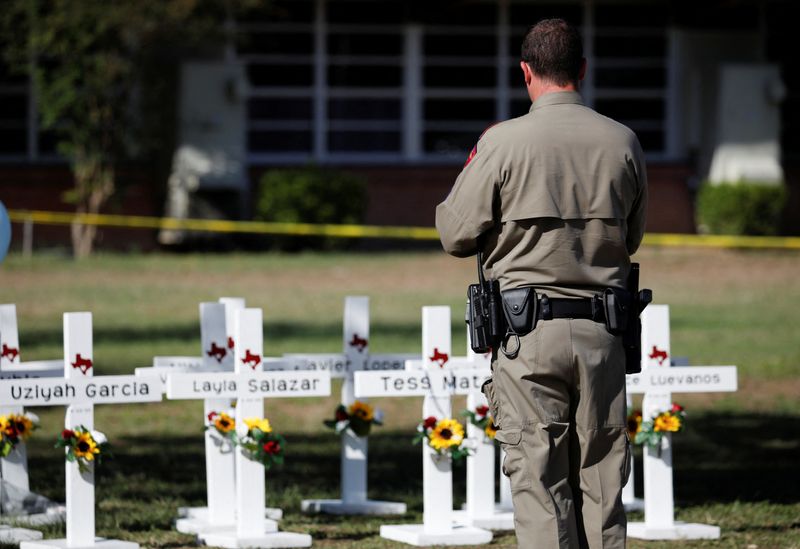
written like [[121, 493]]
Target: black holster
[[617, 309], [632, 332], [484, 315], [484, 318]]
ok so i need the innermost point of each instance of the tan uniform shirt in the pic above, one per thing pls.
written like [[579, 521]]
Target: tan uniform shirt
[[559, 195]]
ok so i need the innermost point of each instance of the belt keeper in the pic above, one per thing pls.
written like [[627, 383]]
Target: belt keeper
[[597, 308], [544, 303]]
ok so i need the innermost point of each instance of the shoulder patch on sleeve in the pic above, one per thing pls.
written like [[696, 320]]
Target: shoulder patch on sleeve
[[474, 150], [472, 154]]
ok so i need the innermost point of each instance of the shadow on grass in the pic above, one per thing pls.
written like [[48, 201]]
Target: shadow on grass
[[719, 458], [724, 457]]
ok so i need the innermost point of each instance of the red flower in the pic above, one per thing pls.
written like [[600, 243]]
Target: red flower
[[482, 410], [212, 415], [341, 415], [271, 447], [429, 423], [676, 408], [67, 434]]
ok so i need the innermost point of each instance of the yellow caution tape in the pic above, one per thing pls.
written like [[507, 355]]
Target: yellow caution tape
[[357, 231], [223, 226], [722, 241]]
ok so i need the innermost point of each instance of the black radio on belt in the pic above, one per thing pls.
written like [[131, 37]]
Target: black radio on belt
[[484, 313]]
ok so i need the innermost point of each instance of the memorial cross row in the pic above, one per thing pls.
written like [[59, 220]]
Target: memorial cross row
[[217, 350], [79, 390], [249, 385]]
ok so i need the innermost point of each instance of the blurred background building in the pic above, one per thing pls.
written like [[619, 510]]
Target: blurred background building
[[399, 91]]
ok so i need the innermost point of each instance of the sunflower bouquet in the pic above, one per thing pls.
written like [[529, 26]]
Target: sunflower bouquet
[[84, 446], [445, 436], [359, 417], [223, 425], [651, 432], [15, 428], [260, 443], [479, 417], [634, 422]]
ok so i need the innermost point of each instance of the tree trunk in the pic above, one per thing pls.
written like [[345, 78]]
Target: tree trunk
[[94, 185]]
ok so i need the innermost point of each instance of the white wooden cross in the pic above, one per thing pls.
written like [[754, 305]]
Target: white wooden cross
[[436, 382], [249, 385], [657, 382], [355, 357], [481, 510], [217, 355], [14, 467], [79, 390], [629, 499]]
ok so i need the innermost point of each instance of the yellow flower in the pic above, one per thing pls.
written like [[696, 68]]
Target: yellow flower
[[224, 423], [491, 428], [634, 424], [361, 410], [3, 424], [22, 424], [258, 423], [447, 433], [666, 422], [85, 447]]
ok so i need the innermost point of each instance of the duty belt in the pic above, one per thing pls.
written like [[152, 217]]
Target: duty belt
[[524, 307], [553, 307]]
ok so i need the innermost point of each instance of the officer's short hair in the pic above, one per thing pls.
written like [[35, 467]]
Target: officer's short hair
[[553, 49]]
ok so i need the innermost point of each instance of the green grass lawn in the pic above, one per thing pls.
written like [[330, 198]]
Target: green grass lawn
[[735, 466]]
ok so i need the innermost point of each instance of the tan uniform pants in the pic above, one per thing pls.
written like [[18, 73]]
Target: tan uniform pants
[[560, 406]]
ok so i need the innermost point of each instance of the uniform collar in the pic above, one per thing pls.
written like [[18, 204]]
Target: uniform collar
[[557, 98]]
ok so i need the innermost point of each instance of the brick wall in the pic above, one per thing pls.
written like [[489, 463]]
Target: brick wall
[[409, 195], [43, 188], [398, 195]]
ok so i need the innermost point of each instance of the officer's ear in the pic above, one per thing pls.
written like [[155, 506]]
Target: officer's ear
[[582, 72], [526, 71]]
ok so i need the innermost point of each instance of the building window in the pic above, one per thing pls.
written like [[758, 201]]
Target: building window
[[630, 69], [349, 81]]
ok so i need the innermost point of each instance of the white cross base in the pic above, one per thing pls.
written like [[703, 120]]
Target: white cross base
[[678, 530], [277, 539], [15, 535], [417, 535], [193, 520], [99, 543]]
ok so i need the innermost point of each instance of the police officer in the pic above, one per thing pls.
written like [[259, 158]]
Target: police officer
[[556, 201]]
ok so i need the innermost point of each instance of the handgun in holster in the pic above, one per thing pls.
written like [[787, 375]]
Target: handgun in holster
[[484, 313], [623, 316]]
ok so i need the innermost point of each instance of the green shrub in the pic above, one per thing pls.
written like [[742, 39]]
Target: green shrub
[[740, 208], [311, 195]]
